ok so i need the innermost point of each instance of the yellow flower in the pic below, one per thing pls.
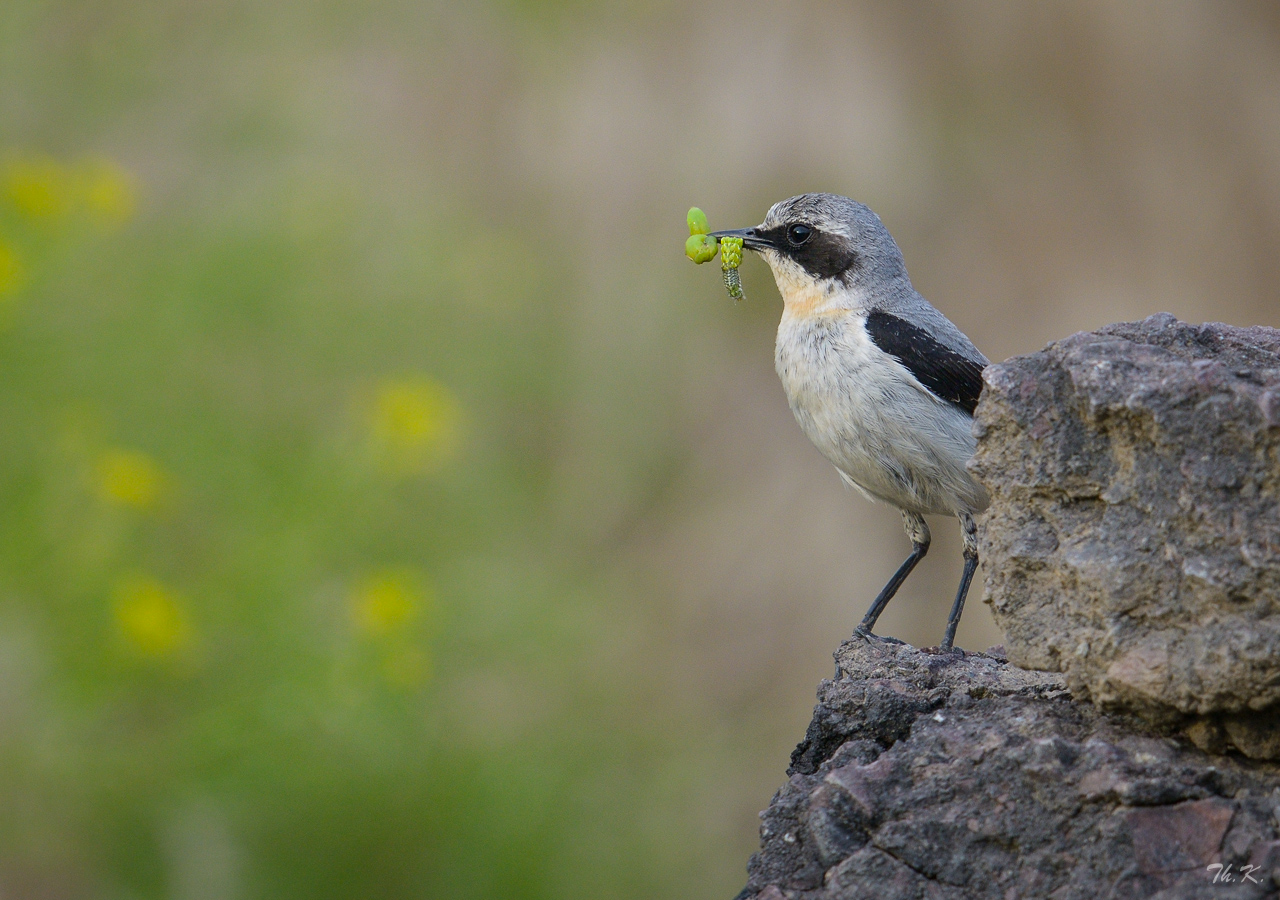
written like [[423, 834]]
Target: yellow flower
[[150, 617], [389, 609], [389, 601], [415, 425], [109, 191], [130, 478], [39, 187], [12, 273]]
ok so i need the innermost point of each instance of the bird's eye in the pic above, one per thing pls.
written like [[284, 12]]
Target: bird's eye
[[798, 234]]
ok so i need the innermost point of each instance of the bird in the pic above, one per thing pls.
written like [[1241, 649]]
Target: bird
[[881, 382]]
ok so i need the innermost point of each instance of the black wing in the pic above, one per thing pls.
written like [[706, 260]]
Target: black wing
[[948, 375]]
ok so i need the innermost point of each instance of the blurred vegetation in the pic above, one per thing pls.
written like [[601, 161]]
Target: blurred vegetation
[[390, 510], [280, 615], [250, 527]]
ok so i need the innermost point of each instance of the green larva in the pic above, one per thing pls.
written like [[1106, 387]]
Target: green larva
[[697, 220], [730, 259], [701, 247]]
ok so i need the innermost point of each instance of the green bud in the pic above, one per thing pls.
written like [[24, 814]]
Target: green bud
[[697, 220], [700, 248]]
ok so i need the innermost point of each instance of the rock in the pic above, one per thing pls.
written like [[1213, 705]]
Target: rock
[[958, 776], [1133, 538], [1132, 556]]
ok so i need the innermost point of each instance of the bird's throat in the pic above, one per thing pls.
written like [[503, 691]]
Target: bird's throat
[[803, 297]]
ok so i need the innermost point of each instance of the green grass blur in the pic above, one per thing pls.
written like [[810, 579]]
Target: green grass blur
[[251, 523], [283, 613]]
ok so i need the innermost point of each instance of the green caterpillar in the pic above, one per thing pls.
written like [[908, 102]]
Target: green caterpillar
[[701, 247], [730, 259]]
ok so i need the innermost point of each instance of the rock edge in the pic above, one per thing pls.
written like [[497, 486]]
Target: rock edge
[[958, 776]]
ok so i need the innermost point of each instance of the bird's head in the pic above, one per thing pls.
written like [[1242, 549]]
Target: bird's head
[[826, 251]]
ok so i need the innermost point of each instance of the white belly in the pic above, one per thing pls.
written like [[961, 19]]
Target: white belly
[[865, 412]]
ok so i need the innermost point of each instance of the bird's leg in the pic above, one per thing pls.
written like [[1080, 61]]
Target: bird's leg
[[918, 531], [969, 535]]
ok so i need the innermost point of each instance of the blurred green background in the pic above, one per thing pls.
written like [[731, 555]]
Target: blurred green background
[[390, 510]]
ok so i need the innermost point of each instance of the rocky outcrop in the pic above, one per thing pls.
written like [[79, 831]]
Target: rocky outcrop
[[1133, 539], [951, 776], [1127, 746]]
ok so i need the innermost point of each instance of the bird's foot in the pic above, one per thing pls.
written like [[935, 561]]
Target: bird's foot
[[861, 632]]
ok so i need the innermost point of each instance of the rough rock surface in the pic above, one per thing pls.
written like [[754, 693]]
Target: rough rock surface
[[1133, 539], [950, 776]]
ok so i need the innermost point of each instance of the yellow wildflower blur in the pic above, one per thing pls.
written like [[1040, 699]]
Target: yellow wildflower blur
[[41, 188], [386, 608], [109, 192], [38, 186], [415, 425], [389, 601], [130, 478], [12, 273], [150, 618]]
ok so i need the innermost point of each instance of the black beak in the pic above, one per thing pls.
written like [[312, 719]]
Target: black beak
[[751, 237]]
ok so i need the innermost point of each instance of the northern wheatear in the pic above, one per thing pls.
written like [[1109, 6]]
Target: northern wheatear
[[879, 380]]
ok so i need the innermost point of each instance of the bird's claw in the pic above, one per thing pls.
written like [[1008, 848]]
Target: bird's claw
[[866, 635]]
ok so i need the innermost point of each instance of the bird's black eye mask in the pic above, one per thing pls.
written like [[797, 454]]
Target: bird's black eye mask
[[819, 253]]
